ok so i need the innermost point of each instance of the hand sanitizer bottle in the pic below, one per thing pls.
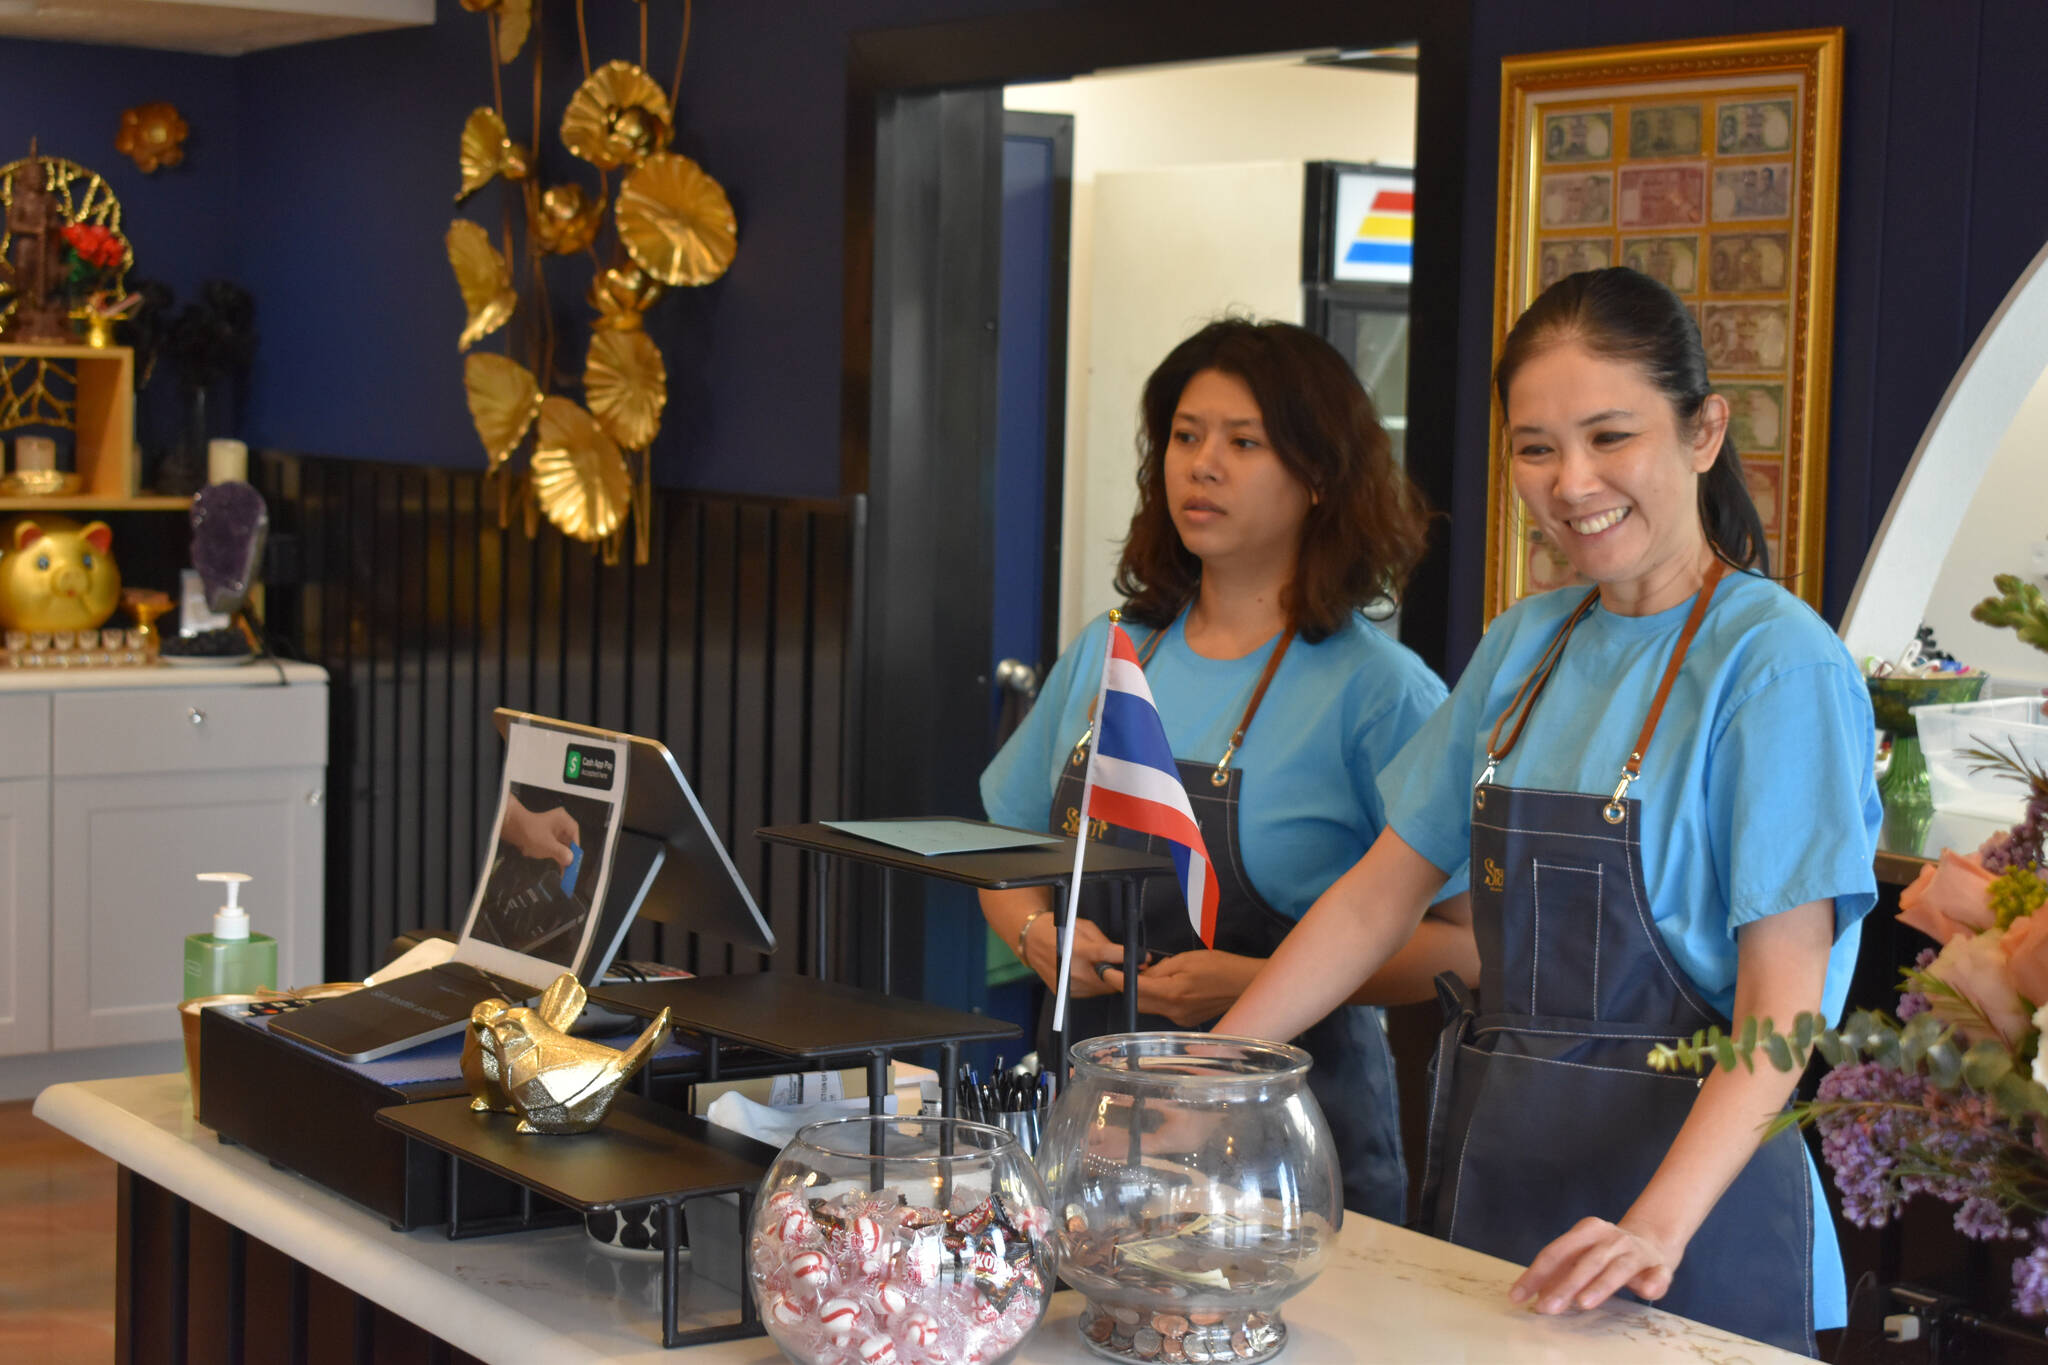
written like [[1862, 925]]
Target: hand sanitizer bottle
[[230, 960]]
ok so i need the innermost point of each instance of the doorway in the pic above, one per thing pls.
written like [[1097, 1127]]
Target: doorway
[[924, 198]]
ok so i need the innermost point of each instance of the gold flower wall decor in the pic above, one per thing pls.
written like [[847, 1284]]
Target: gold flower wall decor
[[669, 224], [488, 153], [152, 135], [617, 117], [568, 220]]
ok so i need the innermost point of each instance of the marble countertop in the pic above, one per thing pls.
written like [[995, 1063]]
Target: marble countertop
[[253, 674], [1388, 1294]]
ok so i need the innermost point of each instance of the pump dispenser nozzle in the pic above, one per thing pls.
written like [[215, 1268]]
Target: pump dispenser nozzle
[[231, 921]]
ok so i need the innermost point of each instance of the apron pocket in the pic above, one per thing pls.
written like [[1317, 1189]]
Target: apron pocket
[[1552, 1135]]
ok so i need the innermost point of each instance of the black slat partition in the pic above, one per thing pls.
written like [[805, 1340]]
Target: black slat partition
[[732, 645]]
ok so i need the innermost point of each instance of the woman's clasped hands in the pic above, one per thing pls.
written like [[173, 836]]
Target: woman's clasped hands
[[1189, 988]]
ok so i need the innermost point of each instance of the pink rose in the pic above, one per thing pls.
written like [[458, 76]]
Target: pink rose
[[2026, 956], [1973, 965], [1948, 898]]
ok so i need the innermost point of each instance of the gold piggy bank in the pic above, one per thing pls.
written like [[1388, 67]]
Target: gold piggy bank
[[56, 574]]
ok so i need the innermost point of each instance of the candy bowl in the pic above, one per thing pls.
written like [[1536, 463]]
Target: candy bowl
[[901, 1241], [1195, 1188]]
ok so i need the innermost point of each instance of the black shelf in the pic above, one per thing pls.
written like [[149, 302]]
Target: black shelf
[[807, 1020], [996, 870], [643, 1153]]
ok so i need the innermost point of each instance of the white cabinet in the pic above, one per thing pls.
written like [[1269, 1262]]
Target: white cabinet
[[24, 915], [140, 786]]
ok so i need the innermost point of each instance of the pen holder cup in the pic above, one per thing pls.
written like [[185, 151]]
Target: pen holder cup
[[1025, 1125]]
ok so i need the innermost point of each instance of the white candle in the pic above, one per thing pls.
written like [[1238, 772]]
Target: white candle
[[34, 453], [227, 461]]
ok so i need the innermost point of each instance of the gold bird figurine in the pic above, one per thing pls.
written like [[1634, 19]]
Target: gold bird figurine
[[559, 1084], [482, 1067]]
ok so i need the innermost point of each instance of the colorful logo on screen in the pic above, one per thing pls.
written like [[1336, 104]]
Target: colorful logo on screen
[[1386, 235]]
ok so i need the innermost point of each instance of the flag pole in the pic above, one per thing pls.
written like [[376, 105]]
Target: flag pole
[[1067, 921]]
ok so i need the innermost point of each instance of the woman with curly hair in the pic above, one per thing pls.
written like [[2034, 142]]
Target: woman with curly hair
[[1270, 514]]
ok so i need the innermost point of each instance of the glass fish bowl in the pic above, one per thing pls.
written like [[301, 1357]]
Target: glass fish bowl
[[901, 1241], [1195, 1188]]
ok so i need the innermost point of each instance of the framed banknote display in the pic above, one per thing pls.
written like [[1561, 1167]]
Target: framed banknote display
[[1711, 166]]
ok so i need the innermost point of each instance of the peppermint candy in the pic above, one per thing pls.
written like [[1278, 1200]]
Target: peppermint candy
[[809, 1271], [839, 1317], [920, 1329]]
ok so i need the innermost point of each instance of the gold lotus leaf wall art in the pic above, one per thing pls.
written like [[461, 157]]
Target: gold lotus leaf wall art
[[511, 20], [487, 153], [579, 477], [626, 386], [668, 224], [504, 398], [676, 222], [484, 279]]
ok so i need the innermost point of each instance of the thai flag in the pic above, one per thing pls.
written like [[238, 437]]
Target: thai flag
[[1132, 782]]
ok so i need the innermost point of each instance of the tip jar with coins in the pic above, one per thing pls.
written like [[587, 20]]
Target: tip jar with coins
[[901, 1241], [1194, 1188]]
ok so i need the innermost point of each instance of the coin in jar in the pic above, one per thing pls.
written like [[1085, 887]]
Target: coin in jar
[[1145, 1343], [1169, 1325], [1099, 1330]]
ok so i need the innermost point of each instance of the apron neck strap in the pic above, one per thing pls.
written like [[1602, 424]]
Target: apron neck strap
[[1222, 773], [1523, 703], [1634, 766]]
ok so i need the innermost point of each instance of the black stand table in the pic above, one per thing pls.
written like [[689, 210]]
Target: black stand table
[[998, 870], [811, 1021], [642, 1153]]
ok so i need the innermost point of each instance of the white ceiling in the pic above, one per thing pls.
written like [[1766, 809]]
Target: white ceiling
[[220, 30]]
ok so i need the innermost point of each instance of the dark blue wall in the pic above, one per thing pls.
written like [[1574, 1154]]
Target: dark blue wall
[[70, 97], [1944, 118], [321, 176], [350, 155], [180, 219]]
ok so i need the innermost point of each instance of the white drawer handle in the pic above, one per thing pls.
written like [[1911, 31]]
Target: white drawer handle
[[196, 716]]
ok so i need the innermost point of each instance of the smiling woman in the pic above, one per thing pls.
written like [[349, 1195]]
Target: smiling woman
[[1269, 512], [1616, 763]]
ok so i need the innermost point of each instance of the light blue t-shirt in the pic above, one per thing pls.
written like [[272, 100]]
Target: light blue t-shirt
[[1309, 803], [1758, 791]]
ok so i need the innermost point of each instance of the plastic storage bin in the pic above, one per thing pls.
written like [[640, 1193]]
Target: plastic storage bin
[[1947, 733]]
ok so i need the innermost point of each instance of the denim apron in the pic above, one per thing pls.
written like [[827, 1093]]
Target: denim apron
[[1353, 1074], [1543, 1108]]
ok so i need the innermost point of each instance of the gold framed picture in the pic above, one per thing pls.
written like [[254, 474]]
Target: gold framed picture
[[1711, 166]]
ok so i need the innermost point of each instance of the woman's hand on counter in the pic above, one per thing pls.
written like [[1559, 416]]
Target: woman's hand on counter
[[1584, 1268], [1190, 988]]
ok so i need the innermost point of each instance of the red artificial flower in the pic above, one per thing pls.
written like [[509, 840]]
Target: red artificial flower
[[99, 247]]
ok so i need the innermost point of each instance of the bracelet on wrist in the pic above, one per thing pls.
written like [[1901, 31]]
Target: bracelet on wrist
[[1025, 933]]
